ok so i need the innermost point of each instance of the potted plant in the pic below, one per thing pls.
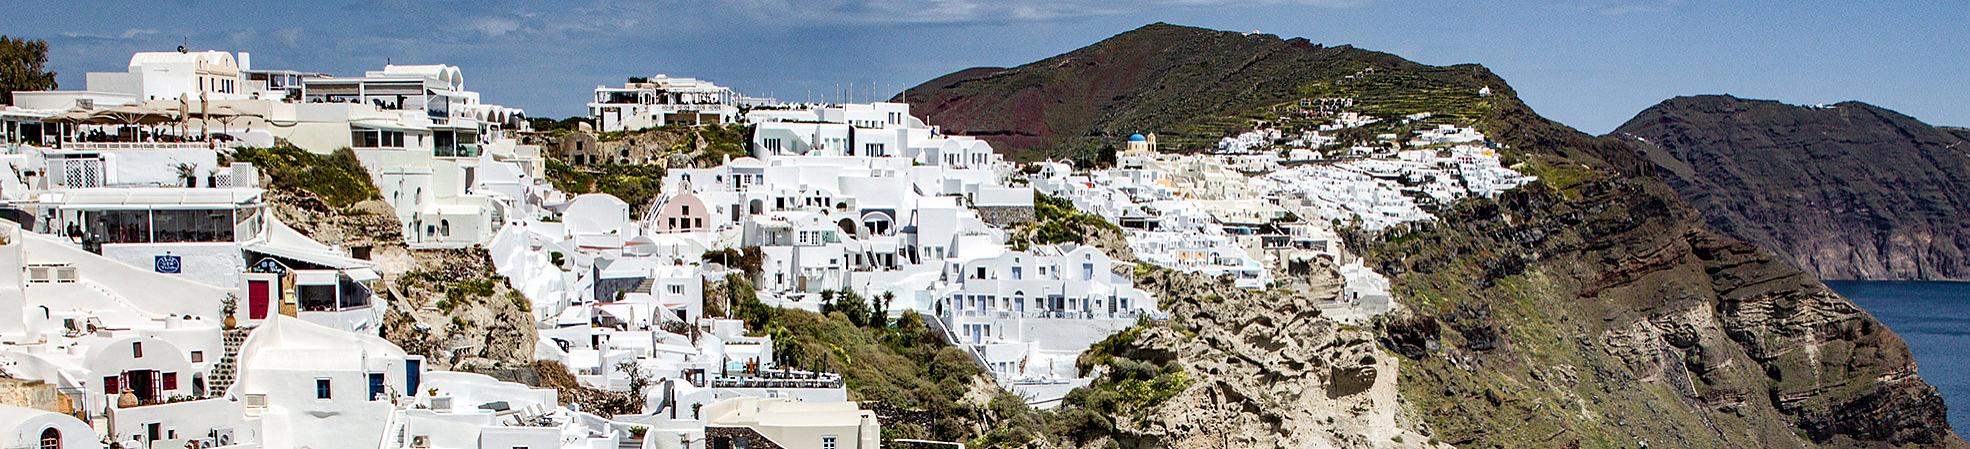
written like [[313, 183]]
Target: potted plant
[[187, 173], [228, 307]]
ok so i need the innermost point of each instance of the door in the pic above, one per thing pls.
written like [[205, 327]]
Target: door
[[413, 374], [375, 386], [257, 294], [143, 384]]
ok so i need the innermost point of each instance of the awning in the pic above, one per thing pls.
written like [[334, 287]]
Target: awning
[[363, 275], [315, 277]]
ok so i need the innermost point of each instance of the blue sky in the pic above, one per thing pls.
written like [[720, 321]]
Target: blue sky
[[1588, 63]]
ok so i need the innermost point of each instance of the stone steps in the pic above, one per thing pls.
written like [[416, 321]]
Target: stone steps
[[227, 370]]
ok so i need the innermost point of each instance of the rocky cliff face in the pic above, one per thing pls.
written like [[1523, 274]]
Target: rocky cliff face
[[446, 305], [1847, 191], [1594, 308], [1267, 371]]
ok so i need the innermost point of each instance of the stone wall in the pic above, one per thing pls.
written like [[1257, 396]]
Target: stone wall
[[1006, 216], [728, 438]]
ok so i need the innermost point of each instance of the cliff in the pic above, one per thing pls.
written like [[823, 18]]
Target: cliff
[[1594, 308], [1846, 191]]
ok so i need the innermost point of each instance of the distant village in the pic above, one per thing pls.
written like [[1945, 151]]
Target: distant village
[[154, 298]]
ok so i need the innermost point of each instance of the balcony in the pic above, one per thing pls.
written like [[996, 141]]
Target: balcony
[[459, 151]]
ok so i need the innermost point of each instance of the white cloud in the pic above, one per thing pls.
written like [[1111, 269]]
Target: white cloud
[[494, 26], [127, 34], [1626, 7]]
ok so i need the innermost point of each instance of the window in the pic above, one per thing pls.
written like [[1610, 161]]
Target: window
[[51, 438], [118, 226], [198, 356], [676, 289], [137, 349], [773, 146], [1018, 273], [169, 381], [210, 225], [317, 297], [321, 388], [110, 385], [828, 442], [371, 138], [1087, 271]]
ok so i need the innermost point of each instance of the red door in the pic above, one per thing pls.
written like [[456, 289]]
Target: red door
[[256, 299]]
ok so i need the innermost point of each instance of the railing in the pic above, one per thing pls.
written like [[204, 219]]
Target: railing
[[107, 146], [462, 150]]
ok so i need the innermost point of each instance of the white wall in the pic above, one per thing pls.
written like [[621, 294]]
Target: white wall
[[213, 264], [191, 419]]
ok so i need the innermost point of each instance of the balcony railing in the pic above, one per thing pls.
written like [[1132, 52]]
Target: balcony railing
[[465, 150], [111, 146]]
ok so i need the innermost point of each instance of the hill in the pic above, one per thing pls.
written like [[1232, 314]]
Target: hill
[[1846, 191], [1594, 308], [1159, 78]]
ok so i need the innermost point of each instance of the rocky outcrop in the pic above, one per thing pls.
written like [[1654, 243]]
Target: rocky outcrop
[[1267, 371], [479, 327], [1845, 191]]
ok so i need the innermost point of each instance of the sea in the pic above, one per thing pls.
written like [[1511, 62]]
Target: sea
[[1934, 317]]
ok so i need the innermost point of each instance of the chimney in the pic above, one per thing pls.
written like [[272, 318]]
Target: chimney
[[245, 61]]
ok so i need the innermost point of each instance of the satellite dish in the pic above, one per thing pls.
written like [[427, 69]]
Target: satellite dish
[[181, 49]]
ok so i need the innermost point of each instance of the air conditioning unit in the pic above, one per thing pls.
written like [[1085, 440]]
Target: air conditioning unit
[[420, 441], [256, 404], [441, 403]]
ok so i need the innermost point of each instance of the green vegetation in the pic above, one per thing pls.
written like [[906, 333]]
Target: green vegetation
[[554, 127], [710, 145], [1084, 153], [1128, 390], [1391, 94], [904, 364], [1563, 176], [338, 178], [23, 67], [1057, 221], [637, 185]]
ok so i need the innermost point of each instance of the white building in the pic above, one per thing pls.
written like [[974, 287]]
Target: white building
[[753, 422], [30, 428], [662, 100]]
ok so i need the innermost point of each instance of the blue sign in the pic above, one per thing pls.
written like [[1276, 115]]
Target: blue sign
[[169, 264]]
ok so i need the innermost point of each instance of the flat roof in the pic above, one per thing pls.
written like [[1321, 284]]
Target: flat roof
[[111, 197]]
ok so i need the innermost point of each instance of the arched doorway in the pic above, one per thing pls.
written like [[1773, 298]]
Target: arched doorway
[[51, 438]]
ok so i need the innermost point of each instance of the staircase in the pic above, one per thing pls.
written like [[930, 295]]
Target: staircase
[[395, 433], [227, 369], [648, 285]]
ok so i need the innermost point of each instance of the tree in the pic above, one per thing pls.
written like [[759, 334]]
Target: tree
[[23, 67]]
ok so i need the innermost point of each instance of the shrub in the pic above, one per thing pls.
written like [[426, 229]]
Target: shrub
[[337, 178]]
